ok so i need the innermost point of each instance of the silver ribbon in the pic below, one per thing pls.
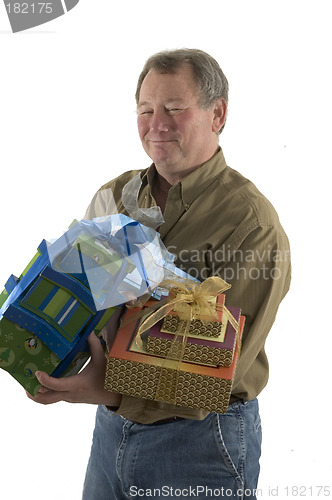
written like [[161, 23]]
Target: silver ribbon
[[150, 217]]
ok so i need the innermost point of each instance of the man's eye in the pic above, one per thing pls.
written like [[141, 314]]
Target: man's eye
[[174, 110], [147, 112]]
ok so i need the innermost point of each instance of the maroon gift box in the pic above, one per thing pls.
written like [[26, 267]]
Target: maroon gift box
[[211, 351]]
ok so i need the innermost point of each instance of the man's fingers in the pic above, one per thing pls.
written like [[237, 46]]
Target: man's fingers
[[76, 388], [55, 384], [96, 350], [42, 390], [46, 380], [64, 384], [47, 397]]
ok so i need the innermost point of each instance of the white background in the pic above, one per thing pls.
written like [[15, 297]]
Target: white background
[[68, 125]]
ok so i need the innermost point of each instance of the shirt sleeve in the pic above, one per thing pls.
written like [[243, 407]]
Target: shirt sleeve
[[259, 272], [103, 203]]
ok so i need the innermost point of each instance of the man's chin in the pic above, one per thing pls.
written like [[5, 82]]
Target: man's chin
[[163, 161], [163, 153], [162, 158]]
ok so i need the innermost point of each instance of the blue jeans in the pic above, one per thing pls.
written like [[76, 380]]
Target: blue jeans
[[217, 457]]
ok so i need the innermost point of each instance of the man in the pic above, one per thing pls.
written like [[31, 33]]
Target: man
[[216, 223]]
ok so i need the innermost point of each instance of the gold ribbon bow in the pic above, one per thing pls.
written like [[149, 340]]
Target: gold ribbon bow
[[190, 300], [187, 298]]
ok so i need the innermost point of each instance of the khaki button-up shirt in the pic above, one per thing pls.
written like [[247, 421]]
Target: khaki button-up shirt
[[217, 223]]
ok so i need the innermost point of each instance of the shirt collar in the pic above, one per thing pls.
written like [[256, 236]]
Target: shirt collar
[[197, 181]]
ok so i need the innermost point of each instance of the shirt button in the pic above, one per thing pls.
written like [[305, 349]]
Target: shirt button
[[187, 206]]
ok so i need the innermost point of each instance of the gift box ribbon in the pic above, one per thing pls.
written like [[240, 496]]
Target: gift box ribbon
[[190, 300]]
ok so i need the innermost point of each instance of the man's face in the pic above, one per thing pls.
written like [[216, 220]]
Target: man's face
[[176, 133]]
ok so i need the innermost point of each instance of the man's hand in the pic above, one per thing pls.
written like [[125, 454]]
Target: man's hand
[[86, 387]]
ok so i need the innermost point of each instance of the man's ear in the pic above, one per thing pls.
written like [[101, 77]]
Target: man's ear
[[219, 115]]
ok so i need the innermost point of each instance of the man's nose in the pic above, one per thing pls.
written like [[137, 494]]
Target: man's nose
[[160, 121]]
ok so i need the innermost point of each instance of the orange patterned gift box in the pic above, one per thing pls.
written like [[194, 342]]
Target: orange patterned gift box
[[133, 371]]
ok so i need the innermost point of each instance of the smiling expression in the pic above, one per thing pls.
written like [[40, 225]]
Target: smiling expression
[[176, 133]]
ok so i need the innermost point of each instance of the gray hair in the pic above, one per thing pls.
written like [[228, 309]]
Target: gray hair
[[211, 82]]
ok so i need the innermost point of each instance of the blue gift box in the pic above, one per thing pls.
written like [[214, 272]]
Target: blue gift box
[[70, 288]]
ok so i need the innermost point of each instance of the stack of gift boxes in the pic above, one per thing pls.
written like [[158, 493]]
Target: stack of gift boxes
[[189, 363], [72, 287]]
